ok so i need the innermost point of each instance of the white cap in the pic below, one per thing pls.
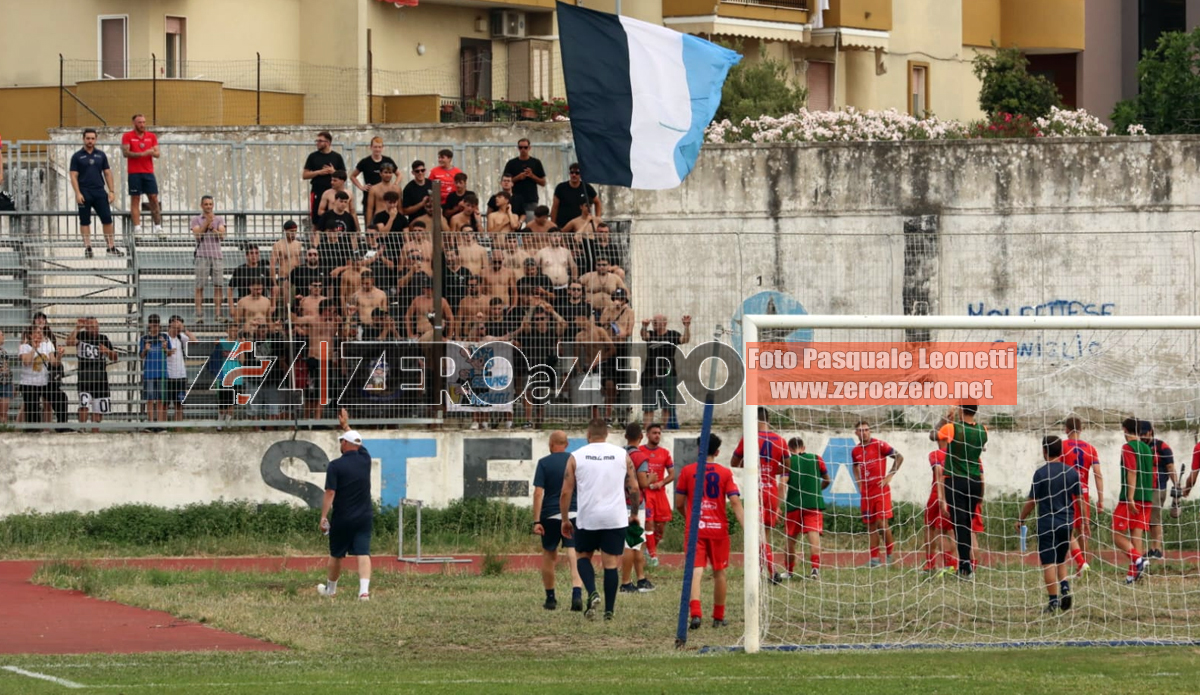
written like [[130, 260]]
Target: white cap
[[352, 437]]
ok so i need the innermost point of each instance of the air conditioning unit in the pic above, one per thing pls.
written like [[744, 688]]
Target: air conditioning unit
[[507, 24]]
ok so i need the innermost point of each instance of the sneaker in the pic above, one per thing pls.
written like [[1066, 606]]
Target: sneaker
[[694, 623], [718, 622], [628, 588], [1083, 569], [815, 574], [644, 586], [652, 561], [777, 578], [550, 604], [364, 597], [508, 424], [1156, 554], [1066, 602], [1129, 579], [527, 426], [114, 251], [137, 229], [608, 615], [890, 559], [88, 253], [873, 563], [199, 320], [576, 604], [593, 603], [1051, 609], [1141, 569], [966, 575], [159, 231], [484, 426], [323, 590], [474, 425]]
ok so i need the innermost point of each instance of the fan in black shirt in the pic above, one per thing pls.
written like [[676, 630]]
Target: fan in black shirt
[[527, 174], [570, 197], [416, 191], [319, 168]]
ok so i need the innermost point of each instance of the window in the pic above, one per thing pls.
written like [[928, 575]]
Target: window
[[475, 58], [820, 86], [176, 53], [113, 46], [918, 89]]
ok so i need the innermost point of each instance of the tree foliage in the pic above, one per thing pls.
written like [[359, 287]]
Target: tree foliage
[[1007, 87], [759, 88], [1169, 77]]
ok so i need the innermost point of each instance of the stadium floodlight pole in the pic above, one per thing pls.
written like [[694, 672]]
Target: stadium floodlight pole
[[689, 560], [751, 562]]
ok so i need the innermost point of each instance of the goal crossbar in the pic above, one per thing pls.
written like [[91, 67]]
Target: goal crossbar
[[752, 323]]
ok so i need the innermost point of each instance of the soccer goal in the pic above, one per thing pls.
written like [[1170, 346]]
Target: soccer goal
[[889, 570]]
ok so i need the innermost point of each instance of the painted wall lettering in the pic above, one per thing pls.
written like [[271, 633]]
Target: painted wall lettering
[[1054, 307], [477, 453]]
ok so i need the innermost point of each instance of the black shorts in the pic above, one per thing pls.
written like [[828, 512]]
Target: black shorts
[[224, 396], [94, 200], [353, 539], [1054, 545], [610, 541], [94, 388], [371, 332], [553, 535], [176, 390]]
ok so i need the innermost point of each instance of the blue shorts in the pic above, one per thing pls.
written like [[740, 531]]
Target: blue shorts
[[94, 200], [143, 184], [610, 541], [552, 536], [351, 539], [154, 389], [6, 390]]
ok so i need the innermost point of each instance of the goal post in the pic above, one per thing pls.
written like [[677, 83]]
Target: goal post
[[1107, 367]]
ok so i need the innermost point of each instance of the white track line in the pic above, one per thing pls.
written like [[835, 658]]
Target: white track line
[[41, 676]]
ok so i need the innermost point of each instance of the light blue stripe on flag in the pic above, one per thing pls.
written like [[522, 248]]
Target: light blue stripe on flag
[[707, 65]]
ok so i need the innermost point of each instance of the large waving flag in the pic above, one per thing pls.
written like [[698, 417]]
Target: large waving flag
[[640, 95]]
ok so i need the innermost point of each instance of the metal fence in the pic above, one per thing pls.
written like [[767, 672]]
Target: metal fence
[[255, 176]]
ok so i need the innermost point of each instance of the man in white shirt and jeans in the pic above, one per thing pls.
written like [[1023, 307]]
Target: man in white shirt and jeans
[[604, 474], [177, 384]]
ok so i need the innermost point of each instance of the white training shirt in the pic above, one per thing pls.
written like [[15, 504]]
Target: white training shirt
[[176, 367], [600, 487]]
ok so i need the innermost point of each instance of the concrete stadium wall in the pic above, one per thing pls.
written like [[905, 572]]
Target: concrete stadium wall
[[52, 473]]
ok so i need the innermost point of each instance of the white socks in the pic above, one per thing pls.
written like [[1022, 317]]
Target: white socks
[[364, 586], [331, 585]]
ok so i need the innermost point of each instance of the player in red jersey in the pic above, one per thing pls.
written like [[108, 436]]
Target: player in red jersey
[[772, 455], [658, 505], [1085, 459], [938, 527], [140, 147], [874, 487], [712, 536]]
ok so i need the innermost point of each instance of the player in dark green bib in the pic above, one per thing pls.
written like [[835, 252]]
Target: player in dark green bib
[[807, 478], [963, 439], [1131, 518]]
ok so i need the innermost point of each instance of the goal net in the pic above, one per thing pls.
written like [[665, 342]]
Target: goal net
[[889, 562]]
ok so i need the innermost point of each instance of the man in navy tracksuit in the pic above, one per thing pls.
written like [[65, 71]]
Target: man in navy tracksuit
[[346, 512]]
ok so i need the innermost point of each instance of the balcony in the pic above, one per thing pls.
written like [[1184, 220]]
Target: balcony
[[871, 15], [770, 20], [1035, 26]]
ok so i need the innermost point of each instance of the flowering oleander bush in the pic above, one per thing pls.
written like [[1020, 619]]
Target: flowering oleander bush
[[852, 125]]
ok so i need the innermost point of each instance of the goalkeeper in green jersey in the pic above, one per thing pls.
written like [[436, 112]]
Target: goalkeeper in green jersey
[[806, 477]]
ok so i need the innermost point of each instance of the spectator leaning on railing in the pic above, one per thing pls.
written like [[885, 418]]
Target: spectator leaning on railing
[[209, 231], [153, 349], [94, 351]]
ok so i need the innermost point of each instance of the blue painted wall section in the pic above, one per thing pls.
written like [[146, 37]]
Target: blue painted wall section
[[393, 455], [837, 457]]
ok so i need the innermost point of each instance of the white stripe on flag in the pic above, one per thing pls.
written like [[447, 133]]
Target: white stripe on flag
[[662, 107]]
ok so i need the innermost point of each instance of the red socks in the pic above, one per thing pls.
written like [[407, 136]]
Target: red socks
[[929, 560], [791, 563], [948, 560], [718, 612], [652, 543], [769, 557], [1077, 555], [695, 611], [816, 560], [890, 547], [875, 553]]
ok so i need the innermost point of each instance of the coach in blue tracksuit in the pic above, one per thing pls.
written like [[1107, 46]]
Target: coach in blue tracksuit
[[346, 512]]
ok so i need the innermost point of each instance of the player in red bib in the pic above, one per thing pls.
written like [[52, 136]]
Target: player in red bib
[[874, 488], [658, 505], [712, 535], [772, 456], [1084, 458], [938, 527], [140, 148]]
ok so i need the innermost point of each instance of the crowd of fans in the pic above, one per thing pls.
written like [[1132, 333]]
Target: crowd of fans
[[514, 270]]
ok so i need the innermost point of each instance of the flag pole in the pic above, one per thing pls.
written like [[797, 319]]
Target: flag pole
[[618, 8]]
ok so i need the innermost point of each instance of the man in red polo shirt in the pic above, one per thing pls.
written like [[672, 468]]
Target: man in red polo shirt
[[140, 147], [874, 488]]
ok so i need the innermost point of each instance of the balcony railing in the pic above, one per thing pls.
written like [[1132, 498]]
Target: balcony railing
[[774, 4]]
